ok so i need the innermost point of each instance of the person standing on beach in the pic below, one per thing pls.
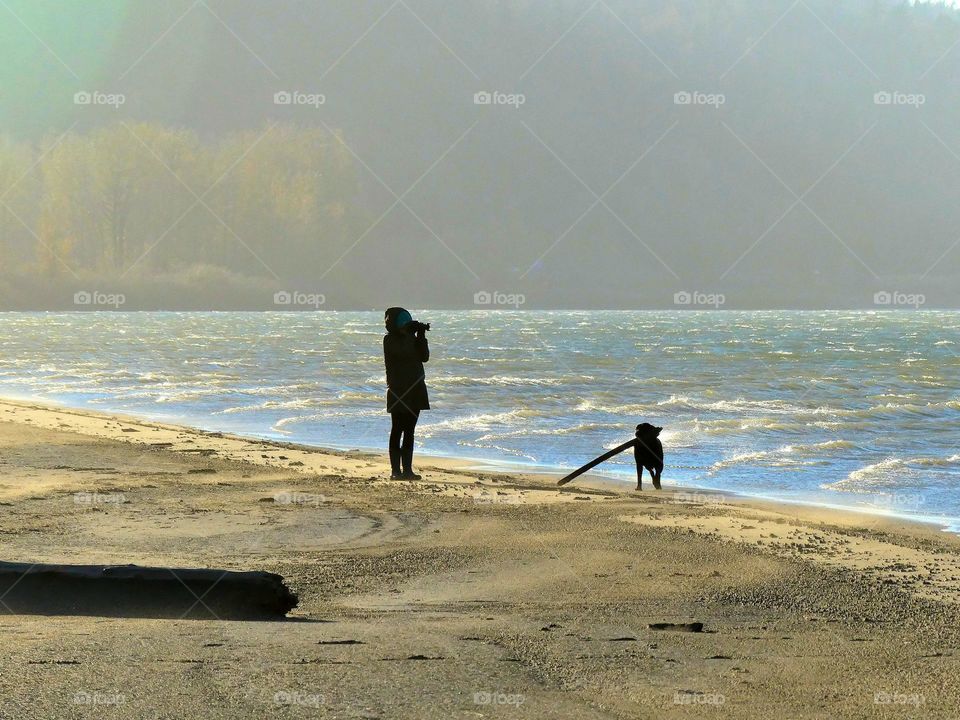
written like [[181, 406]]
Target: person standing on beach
[[405, 350]]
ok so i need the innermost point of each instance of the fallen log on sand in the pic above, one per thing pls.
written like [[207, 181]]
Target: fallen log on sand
[[143, 592]]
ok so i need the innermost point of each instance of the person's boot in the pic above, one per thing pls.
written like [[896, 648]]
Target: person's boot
[[408, 473], [395, 472]]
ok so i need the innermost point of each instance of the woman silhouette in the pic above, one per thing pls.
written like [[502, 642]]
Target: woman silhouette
[[405, 350]]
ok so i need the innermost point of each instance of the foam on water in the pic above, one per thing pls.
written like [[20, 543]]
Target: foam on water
[[840, 408]]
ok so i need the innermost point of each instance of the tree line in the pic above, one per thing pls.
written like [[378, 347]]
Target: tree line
[[137, 200]]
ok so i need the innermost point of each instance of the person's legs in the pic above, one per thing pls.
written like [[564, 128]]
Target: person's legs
[[406, 448], [396, 430]]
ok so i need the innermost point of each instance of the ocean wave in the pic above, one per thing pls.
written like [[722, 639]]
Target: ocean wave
[[758, 411], [896, 409], [512, 452], [500, 381], [889, 472], [785, 455], [342, 399], [686, 402], [578, 429], [482, 422], [283, 425], [741, 425], [268, 405]]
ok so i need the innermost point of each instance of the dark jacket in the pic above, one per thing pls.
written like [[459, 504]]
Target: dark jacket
[[404, 356]]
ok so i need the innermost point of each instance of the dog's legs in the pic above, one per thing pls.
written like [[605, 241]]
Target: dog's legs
[[656, 477], [637, 460]]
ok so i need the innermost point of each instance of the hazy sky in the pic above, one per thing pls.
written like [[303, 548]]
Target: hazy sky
[[578, 153]]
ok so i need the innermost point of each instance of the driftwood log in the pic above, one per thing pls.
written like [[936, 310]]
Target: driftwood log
[[145, 592]]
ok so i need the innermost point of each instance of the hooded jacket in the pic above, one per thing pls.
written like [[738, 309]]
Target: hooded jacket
[[404, 355]]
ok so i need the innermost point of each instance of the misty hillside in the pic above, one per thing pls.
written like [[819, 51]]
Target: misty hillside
[[779, 153]]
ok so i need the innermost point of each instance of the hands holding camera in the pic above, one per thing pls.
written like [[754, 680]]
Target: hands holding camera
[[419, 329]]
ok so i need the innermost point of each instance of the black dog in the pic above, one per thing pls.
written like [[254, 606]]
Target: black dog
[[648, 452]]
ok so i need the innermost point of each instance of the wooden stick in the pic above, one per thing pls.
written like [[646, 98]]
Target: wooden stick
[[596, 461]]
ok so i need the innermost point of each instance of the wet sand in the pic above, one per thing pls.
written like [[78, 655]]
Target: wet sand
[[464, 595]]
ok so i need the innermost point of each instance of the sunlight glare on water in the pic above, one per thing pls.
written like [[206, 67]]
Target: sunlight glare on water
[[850, 408]]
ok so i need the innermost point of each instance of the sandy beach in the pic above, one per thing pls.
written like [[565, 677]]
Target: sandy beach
[[464, 595]]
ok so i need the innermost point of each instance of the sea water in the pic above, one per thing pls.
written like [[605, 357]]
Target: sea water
[[857, 409]]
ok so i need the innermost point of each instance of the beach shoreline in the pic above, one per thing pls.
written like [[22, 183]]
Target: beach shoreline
[[779, 421], [465, 594], [505, 468]]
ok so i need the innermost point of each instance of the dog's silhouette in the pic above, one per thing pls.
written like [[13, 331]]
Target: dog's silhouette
[[648, 452]]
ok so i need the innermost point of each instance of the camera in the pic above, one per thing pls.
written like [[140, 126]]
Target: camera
[[417, 327]]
